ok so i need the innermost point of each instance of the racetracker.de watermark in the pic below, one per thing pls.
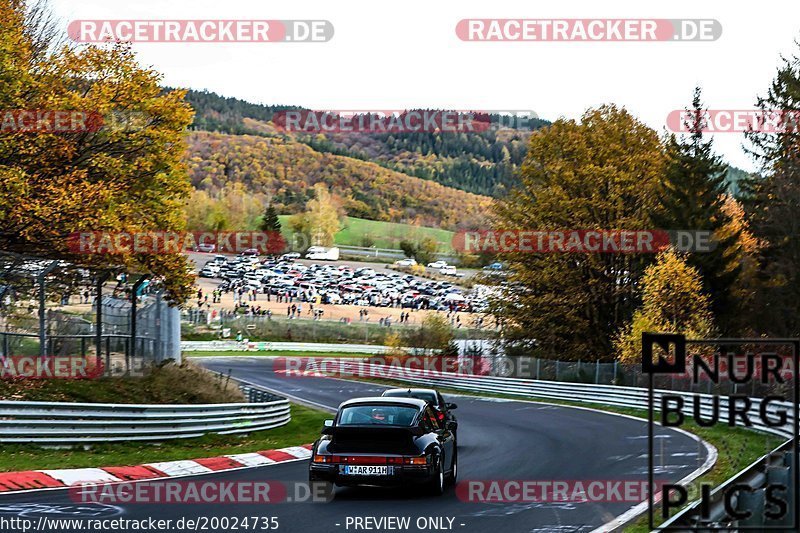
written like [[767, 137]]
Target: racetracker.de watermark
[[201, 31], [213, 492], [379, 121], [553, 491], [582, 241], [14, 367], [589, 30], [49, 121], [173, 242], [734, 121], [401, 366]]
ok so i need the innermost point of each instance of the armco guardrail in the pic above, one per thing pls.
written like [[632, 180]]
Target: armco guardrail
[[259, 346], [78, 423], [776, 466], [632, 397]]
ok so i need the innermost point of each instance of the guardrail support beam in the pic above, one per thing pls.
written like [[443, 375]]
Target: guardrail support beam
[[134, 290], [40, 279]]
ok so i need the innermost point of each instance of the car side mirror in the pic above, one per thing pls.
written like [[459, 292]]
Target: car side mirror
[[452, 406], [327, 427]]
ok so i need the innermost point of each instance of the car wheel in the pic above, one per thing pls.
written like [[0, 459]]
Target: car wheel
[[453, 476], [437, 481]]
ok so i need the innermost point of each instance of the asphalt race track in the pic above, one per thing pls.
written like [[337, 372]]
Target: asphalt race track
[[498, 440]]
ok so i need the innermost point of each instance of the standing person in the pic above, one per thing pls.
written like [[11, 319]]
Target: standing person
[[288, 311]]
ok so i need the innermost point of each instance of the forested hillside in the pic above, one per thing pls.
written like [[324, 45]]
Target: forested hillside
[[283, 166], [286, 171], [482, 163]]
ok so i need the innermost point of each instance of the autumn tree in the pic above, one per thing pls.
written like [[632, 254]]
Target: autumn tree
[[231, 207], [127, 175], [321, 220], [434, 334], [599, 173], [423, 252], [693, 194], [673, 301]]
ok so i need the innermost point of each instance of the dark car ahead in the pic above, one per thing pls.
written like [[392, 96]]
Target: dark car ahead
[[444, 410], [386, 442]]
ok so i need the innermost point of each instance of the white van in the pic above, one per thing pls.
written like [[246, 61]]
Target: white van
[[322, 253]]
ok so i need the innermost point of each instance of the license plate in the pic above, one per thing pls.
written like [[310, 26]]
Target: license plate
[[358, 470]]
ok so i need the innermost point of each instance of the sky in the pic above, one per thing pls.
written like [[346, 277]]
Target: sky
[[407, 55]]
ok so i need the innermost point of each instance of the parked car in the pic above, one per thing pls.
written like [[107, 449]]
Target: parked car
[[448, 270], [385, 441], [407, 262], [436, 265], [206, 248]]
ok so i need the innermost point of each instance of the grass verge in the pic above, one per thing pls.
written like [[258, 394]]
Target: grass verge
[[304, 428], [186, 383]]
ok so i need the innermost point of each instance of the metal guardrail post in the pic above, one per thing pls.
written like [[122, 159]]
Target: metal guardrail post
[[98, 301], [781, 475], [42, 301], [134, 290]]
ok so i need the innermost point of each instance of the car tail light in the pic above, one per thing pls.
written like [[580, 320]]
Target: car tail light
[[416, 460], [440, 416], [322, 459]]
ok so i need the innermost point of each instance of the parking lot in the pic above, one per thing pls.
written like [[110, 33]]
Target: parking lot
[[330, 290]]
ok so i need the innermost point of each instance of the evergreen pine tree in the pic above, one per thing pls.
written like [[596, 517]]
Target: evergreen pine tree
[[771, 201], [270, 222], [693, 196]]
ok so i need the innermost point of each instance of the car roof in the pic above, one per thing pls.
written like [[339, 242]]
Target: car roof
[[411, 390], [411, 402]]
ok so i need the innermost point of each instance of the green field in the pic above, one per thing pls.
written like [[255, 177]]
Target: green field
[[383, 234]]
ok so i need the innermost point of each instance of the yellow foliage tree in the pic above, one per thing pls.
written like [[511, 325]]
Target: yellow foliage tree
[[127, 175], [321, 220], [672, 302]]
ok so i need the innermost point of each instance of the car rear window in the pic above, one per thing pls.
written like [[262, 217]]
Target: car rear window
[[389, 415]]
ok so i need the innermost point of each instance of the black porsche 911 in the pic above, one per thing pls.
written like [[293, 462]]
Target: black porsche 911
[[386, 442]]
